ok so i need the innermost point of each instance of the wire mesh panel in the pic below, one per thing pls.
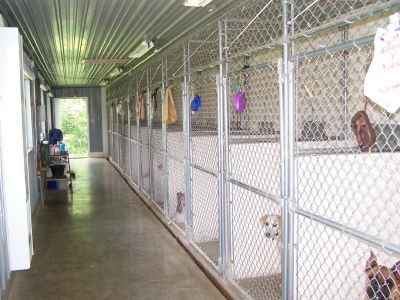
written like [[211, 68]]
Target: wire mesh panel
[[145, 161], [134, 162], [109, 128], [175, 161], [134, 159], [155, 71], [144, 131], [252, 26], [338, 184], [204, 161], [256, 244], [255, 164], [312, 16], [126, 142], [174, 62], [205, 213], [145, 156], [121, 134], [115, 133], [254, 147], [156, 120], [255, 132], [157, 180], [204, 47], [131, 106], [203, 127]]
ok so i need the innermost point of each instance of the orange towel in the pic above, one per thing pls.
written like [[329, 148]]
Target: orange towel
[[169, 115]]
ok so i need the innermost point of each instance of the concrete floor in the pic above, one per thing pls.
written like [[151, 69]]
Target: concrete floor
[[106, 244]]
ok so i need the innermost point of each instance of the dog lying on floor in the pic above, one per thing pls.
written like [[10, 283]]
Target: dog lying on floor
[[272, 225], [381, 282]]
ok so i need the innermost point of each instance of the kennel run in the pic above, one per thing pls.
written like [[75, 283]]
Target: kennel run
[[285, 148]]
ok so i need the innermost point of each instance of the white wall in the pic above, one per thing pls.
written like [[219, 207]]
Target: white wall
[[14, 152]]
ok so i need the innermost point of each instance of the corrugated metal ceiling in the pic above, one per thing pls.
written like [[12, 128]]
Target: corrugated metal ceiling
[[58, 34]]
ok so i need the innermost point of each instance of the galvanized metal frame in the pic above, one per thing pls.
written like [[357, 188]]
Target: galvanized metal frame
[[186, 144], [165, 141], [129, 162], [150, 129], [139, 142], [223, 129]]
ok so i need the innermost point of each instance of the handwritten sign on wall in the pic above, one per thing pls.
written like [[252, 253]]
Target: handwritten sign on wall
[[382, 82]]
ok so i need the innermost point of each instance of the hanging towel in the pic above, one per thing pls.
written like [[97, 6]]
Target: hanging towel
[[153, 103], [141, 107], [169, 115]]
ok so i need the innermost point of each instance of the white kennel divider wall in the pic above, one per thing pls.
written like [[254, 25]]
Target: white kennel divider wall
[[291, 152]]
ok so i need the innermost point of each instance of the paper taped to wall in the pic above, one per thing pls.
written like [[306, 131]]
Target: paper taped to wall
[[382, 82]]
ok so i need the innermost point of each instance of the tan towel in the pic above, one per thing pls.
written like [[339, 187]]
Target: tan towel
[[141, 107], [169, 115]]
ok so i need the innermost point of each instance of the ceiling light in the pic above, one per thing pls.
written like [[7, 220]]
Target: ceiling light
[[45, 87], [116, 72], [105, 60], [196, 3], [141, 49], [104, 82]]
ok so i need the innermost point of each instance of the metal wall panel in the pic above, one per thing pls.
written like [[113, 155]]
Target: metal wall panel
[[59, 34]]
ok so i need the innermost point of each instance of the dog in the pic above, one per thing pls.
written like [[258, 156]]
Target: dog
[[159, 168], [179, 215], [272, 225], [381, 282], [180, 202]]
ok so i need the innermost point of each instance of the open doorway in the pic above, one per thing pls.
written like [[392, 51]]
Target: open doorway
[[71, 116]]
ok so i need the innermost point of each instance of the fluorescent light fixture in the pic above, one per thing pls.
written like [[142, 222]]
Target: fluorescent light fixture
[[196, 3], [116, 72], [44, 87], [105, 60], [141, 49], [104, 82]]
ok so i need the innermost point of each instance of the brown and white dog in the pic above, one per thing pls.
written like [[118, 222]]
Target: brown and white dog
[[272, 225], [381, 282]]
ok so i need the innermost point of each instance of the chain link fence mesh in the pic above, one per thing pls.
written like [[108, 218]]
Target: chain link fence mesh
[[176, 195], [345, 199], [204, 161], [336, 180]]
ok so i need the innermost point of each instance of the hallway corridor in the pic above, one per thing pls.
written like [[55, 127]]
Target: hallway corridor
[[106, 244]]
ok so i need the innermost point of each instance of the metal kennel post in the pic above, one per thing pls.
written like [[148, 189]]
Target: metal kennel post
[[139, 136], [164, 141], [186, 142], [133, 131], [287, 161]]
